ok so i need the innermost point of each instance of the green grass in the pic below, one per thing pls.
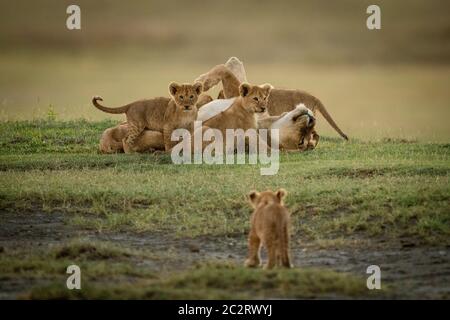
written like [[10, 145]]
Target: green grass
[[113, 272], [360, 189], [222, 282]]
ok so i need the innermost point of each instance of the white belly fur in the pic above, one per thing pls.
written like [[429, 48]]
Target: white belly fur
[[283, 121], [213, 108]]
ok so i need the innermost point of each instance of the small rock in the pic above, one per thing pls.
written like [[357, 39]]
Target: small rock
[[408, 244], [193, 247]]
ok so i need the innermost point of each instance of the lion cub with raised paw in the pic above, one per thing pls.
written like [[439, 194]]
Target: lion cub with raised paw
[[269, 228], [159, 114]]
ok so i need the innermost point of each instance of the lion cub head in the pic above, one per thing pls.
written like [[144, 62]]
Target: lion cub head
[[260, 199], [254, 98], [185, 95]]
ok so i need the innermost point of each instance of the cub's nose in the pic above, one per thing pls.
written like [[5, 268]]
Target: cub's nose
[[187, 107]]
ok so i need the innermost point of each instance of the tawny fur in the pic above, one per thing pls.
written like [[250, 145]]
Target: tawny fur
[[111, 140], [296, 128], [251, 99], [280, 100], [269, 228], [296, 134], [159, 114]]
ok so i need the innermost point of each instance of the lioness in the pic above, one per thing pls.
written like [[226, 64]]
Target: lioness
[[159, 114], [296, 128], [269, 228], [280, 100], [111, 140]]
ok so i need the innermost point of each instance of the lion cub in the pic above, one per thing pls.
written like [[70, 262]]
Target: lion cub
[[269, 228], [241, 114], [159, 114], [111, 140]]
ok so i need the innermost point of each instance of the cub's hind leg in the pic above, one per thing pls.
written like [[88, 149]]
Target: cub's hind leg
[[284, 249], [254, 243], [271, 247], [134, 131]]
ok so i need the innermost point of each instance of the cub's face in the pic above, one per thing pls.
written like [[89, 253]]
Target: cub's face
[[255, 97], [259, 199], [185, 95]]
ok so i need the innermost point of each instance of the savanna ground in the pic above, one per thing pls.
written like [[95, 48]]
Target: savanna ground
[[141, 227]]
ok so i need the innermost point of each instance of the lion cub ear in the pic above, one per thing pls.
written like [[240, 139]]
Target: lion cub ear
[[173, 88], [267, 87], [198, 87], [281, 193], [253, 197], [244, 89]]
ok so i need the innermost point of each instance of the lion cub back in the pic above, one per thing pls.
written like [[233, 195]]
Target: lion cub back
[[270, 221], [269, 229]]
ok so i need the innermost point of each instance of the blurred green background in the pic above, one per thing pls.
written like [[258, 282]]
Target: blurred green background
[[392, 82]]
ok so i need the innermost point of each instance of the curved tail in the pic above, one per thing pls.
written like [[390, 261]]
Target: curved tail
[[330, 120], [106, 109]]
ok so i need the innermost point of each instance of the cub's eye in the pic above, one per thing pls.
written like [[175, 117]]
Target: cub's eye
[[181, 97], [256, 99], [192, 96]]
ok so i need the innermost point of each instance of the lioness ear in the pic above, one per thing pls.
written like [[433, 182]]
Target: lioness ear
[[244, 89], [267, 87], [252, 196], [198, 87], [281, 193], [173, 88]]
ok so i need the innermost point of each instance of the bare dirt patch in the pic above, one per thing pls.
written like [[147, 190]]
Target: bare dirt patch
[[412, 271]]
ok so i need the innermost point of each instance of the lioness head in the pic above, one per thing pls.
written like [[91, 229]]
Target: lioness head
[[303, 116], [304, 119], [255, 98], [257, 199], [185, 95]]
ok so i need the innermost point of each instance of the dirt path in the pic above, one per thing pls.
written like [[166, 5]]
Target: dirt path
[[416, 272]]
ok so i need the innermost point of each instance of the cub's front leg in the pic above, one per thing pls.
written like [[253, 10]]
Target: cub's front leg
[[167, 136]]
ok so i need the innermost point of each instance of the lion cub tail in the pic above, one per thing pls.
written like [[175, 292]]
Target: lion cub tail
[[95, 100], [330, 120]]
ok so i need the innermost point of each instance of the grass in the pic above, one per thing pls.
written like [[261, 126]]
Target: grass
[[391, 82], [366, 189], [222, 282], [112, 272]]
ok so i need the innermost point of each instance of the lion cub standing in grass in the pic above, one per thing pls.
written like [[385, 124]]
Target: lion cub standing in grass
[[159, 114], [269, 228]]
